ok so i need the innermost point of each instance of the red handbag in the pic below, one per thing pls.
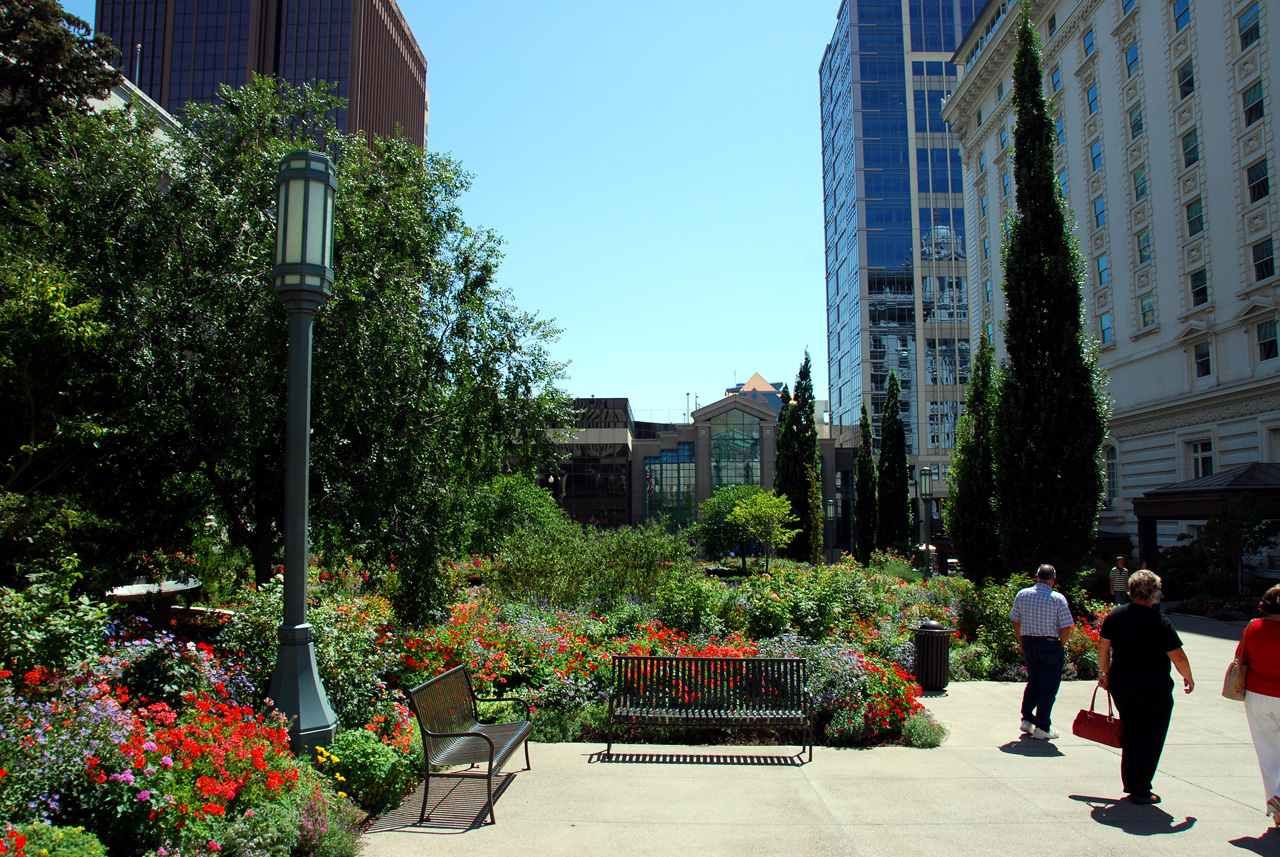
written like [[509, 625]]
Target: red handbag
[[1096, 726]]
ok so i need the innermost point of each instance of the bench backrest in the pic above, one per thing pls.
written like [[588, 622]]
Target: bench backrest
[[709, 684], [442, 704]]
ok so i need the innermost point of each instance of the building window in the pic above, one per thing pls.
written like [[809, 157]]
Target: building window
[[1132, 61], [979, 117], [1053, 23], [1144, 246], [1060, 127], [1004, 138], [1104, 328], [1253, 106], [1264, 260], [1140, 183], [1062, 182], [1093, 99], [1195, 217], [1199, 281], [984, 205], [1112, 476], [1088, 44], [987, 289], [1201, 457], [1095, 154], [1204, 364], [1186, 79], [1004, 183], [1056, 77], [1259, 181], [1135, 121], [991, 332], [1267, 341], [986, 248], [735, 449], [1100, 212], [1104, 269], [1190, 148], [1127, 5], [1181, 14], [1249, 26], [1000, 91], [1147, 308], [982, 163]]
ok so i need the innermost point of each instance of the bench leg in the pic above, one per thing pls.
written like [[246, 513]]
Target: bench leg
[[527, 766], [492, 818], [426, 793]]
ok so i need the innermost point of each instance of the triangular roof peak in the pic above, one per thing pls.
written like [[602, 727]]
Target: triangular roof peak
[[757, 382], [741, 403]]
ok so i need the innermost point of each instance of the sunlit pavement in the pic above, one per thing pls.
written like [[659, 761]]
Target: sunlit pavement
[[987, 791]]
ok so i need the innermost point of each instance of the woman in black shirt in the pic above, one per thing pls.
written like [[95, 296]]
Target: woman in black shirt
[[1136, 646]]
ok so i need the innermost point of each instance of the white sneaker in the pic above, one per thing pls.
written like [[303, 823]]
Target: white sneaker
[[1042, 735], [1027, 727]]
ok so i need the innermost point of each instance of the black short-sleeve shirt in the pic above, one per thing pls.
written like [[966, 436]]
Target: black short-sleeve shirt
[[1141, 639]]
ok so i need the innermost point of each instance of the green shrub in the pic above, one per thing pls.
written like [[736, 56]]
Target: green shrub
[[890, 562], [714, 532], [563, 725], [921, 730], [44, 840], [692, 602], [375, 775], [47, 626], [506, 504]]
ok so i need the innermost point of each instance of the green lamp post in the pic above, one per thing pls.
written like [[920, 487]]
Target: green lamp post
[[303, 272]]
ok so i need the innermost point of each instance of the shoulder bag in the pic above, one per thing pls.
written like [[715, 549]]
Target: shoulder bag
[[1233, 684], [1096, 726]]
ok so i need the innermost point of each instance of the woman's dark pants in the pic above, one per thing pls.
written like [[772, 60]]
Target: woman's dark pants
[[1145, 713]]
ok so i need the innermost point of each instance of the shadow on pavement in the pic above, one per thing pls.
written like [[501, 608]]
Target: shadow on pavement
[[1134, 820], [1266, 844], [1028, 746], [1206, 627], [693, 759], [455, 806]]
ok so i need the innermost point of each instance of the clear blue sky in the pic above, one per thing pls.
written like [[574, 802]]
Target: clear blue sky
[[655, 169]]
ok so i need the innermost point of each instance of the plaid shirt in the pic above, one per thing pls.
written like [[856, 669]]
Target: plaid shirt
[[1041, 611]]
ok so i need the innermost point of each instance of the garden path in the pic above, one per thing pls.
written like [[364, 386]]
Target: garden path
[[986, 791]]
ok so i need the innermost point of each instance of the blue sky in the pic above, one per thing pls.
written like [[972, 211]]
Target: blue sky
[[655, 169]]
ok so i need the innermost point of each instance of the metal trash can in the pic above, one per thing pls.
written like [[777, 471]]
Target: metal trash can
[[933, 655]]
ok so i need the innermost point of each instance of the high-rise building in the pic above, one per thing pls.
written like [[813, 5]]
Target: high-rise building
[[897, 297], [179, 51], [1164, 150]]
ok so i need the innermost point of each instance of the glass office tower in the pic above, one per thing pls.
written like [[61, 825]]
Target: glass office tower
[[894, 217], [181, 51]]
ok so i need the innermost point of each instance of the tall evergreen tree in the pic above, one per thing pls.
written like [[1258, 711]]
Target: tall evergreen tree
[[893, 506], [969, 509], [1052, 408], [796, 464], [864, 498]]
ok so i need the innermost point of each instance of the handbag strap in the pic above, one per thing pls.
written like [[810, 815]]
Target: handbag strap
[[1096, 688]]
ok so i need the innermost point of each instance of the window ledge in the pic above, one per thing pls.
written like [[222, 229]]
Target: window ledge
[[1145, 332], [1203, 309]]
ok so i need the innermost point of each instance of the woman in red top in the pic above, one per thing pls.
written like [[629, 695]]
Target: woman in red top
[[1260, 649]]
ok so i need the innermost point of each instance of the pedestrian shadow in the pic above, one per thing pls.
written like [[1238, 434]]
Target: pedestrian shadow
[[1028, 746], [1147, 820], [455, 806], [1268, 844]]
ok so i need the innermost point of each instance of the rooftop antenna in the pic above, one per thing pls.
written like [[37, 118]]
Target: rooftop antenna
[[686, 407], [137, 64]]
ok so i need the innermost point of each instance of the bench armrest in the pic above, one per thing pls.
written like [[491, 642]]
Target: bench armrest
[[523, 702]]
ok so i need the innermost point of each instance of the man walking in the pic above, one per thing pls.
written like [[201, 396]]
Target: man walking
[[1042, 624], [1119, 582]]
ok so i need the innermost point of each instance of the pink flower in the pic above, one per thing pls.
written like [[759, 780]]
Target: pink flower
[[214, 846], [144, 795]]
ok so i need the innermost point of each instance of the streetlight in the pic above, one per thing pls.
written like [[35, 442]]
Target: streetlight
[[305, 187], [926, 519], [831, 528]]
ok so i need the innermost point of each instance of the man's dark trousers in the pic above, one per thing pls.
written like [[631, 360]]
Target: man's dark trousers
[[1044, 657]]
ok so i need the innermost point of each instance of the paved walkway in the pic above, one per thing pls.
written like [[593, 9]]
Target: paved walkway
[[986, 791]]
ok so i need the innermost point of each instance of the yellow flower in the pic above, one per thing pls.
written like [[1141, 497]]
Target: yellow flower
[[340, 778], [342, 794]]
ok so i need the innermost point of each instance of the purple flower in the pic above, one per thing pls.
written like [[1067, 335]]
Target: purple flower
[[125, 777], [149, 745], [144, 795], [166, 761]]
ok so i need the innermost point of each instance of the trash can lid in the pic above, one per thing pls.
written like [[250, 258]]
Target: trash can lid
[[933, 625]]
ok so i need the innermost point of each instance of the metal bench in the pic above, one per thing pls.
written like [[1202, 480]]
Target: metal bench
[[452, 734], [762, 693]]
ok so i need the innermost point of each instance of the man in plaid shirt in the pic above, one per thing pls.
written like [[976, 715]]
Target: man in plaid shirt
[[1042, 624]]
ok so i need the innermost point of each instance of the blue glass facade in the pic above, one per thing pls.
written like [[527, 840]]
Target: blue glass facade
[[895, 243]]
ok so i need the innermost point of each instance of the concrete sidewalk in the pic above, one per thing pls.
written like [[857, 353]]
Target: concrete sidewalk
[[987, 791]]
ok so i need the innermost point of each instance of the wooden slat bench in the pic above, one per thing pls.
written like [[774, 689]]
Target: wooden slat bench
[[452, 734], [762, 693]]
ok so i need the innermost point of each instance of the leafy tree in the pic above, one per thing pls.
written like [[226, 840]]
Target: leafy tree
[[506, 504], [719, 536], [796, 463], [970, 507], [815, 523], [893, 506], [50, 65], [1242, 529], [1051, 411], [765, 517], [865, 498]]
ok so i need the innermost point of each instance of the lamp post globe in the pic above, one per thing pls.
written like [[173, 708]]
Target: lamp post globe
[[305, 187]]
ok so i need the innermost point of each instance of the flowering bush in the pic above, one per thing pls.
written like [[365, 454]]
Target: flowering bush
[[44, 839], [886, 696], [373, 773]]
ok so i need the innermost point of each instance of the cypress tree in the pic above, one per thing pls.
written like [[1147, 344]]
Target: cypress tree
[[796, 464], [893, 507], [864, 498], [1052, 408], [969, 509]]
